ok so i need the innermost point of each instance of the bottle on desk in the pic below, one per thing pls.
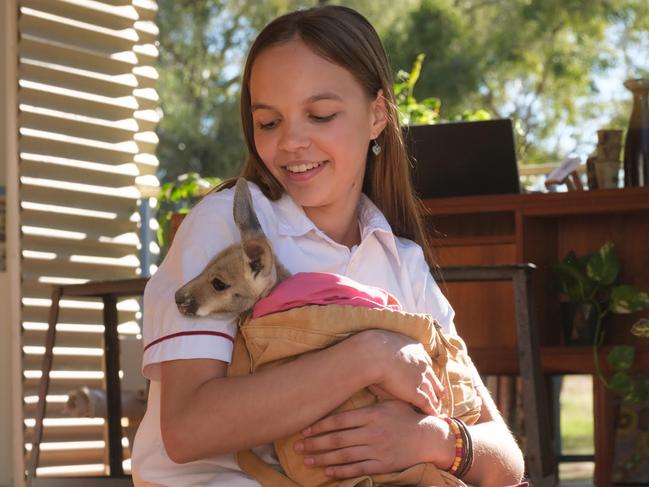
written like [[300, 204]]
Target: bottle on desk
[[636, 145]]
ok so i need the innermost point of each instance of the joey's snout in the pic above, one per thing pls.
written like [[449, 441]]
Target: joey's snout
[[186, 303]]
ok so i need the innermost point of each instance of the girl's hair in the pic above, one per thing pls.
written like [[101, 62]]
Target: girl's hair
[[344, 37]]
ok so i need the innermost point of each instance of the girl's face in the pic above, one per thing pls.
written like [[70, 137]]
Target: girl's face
[[312, 125]]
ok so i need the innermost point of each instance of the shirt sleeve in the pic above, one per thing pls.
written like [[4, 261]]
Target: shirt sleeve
[[167, 334]]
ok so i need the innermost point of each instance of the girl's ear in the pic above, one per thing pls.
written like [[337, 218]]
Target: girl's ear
[[379, 115]]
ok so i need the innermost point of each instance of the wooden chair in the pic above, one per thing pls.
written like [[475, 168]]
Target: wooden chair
[[541, 461]]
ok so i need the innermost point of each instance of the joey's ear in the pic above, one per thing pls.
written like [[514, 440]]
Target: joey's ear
[[244, 213], [259, 256]]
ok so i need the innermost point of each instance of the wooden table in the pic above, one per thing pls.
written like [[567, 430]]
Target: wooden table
[[542, 229], [108, 291]]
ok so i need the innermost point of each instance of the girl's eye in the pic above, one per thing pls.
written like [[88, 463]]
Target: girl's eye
[[323, 119], [267, 126]]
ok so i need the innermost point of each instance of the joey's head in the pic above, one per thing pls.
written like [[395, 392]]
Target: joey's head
[[238, 276]]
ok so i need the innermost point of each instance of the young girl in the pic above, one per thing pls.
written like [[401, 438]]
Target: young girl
[[332, 192]]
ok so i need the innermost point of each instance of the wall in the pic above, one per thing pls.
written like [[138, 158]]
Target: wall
[[11, 464]]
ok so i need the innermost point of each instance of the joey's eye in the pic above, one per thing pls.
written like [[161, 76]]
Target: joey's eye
[[219, 285]]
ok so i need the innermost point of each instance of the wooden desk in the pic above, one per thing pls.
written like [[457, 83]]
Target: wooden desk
[[542, 229]]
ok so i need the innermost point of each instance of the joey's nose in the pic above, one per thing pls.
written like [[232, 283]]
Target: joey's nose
[[186, 303]]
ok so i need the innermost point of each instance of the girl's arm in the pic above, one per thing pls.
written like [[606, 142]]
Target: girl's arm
[[391, 436], [498, 459], [203, 413]]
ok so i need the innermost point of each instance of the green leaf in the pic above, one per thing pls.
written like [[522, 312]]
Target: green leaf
[[603, 266], [621, 357], [638, 395], [628, 299], [621, 383], [572, 282], [641, 328]]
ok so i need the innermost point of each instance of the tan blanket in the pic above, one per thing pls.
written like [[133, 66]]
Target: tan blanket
[[278, 337]]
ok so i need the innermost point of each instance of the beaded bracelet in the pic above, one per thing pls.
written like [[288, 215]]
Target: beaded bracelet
[[467, 457], [459, 445]]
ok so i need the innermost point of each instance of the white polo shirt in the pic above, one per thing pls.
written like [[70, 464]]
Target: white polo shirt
[[381, 259]]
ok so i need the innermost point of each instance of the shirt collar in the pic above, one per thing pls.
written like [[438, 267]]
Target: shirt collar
[[292, 221]]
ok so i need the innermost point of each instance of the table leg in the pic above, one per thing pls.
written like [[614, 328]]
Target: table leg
[[113, 387], [44, 386], [604, 410]]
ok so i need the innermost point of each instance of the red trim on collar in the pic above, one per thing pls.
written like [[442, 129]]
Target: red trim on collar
[[184, 333]]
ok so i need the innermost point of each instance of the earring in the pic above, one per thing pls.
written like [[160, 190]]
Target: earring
[[376, 148]]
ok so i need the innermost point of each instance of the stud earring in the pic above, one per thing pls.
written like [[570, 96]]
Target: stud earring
[[376, 148]]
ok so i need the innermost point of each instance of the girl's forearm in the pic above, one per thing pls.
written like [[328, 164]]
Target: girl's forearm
[[230, 414], [497, 459]]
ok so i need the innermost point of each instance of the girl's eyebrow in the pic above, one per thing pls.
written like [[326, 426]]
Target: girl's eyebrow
[[326, 95]]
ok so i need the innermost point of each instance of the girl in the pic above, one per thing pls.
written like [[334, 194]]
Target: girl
[[332, 192]]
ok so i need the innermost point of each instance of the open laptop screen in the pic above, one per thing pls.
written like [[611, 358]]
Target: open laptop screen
[[463, 158]]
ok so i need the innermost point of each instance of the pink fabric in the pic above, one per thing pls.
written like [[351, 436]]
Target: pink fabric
[[321, 288]]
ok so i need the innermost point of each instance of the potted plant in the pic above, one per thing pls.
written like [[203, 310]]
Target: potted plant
[[590, 282]]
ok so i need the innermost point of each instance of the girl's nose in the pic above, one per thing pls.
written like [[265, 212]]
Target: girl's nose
[[294, 136]]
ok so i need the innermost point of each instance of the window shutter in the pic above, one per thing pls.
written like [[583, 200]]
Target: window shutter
[[87, 115]]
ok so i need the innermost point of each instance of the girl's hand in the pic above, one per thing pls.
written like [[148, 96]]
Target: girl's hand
[[386, 437], [404, 371]]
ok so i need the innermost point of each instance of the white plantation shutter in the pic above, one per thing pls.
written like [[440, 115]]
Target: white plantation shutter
[[87, 114]]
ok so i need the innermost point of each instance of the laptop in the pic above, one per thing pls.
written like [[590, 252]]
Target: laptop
[[463, 158]]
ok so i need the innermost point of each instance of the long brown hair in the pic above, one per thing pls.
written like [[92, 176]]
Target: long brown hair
[[344, 37]]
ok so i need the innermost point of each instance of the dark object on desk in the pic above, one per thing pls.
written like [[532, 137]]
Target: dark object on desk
[[636, 145], [463, 158]]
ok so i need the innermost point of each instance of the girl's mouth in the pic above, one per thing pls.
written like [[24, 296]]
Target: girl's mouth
[[304, 172], [304, 167]]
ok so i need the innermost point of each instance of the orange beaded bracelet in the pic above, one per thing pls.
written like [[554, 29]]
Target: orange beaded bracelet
[[459, 444]]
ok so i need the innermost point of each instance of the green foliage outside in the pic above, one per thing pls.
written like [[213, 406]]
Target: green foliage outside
[[593, 278], [576, 412], [179, 196], [531, 60], [426, 111]]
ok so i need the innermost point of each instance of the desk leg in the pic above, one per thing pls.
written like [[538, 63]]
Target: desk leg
[[604, 410], [113, 387]]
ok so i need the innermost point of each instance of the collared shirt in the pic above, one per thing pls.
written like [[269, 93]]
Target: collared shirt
[[381, 259]]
